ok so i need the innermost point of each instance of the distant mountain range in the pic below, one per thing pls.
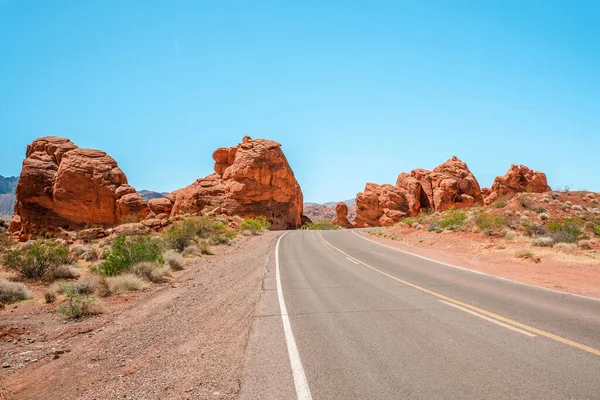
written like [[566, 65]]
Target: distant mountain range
[[8, 187], [149, 195]]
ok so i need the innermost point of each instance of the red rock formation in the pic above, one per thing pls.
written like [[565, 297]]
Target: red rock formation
[[250, 179], [518, 179], [380, 205], [413, 191], [450, 184], [63, 186], [341, 219]]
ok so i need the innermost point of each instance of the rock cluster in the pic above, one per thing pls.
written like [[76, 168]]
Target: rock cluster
[[65, 187], [518, 179], [450, 184], [251, 179]]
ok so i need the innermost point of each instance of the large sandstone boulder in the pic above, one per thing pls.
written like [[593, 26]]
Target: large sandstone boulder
[[251, 179], [518, 179], [63, 186], [341, 218], [380, 205], [450, 184]]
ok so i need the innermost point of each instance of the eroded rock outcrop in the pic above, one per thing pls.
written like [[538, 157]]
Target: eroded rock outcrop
[[63, 186], [250, 180], [518, 179], [341, 218], [450, 184], [380, 205]]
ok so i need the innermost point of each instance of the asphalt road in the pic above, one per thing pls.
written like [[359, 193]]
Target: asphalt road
[[364, 321]]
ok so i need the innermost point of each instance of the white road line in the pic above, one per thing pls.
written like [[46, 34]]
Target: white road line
[[302, 389], [351, 260], [512, 328], [474, 271]]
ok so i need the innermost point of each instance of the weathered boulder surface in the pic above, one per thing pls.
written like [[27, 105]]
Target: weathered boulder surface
[[341, 218], [63, 186], [518, 179], [251, 179], [380, 205], [450, 184]]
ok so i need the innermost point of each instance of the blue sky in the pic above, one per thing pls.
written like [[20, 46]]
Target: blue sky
[[355, 91]]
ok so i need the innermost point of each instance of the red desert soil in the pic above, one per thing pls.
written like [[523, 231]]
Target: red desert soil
[[182, 340], [569, 271]]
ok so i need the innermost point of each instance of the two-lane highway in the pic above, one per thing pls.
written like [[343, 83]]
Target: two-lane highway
[[343, 317]]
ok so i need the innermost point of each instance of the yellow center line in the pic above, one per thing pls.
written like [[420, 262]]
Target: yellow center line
[[473, 308]]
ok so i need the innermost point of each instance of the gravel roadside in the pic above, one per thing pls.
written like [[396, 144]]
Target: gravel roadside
[[186, 340]]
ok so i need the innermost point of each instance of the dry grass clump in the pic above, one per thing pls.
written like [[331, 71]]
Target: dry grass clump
[[12, 292], [585, 244], [542, 241], [174, 260], [85, 287], [63, 272], [523, 253], [566, 247], [205, 248], [85, 252], [107, 286], [191, 251], [149, 271]]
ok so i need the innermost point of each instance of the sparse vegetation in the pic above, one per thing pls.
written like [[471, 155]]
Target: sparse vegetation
[[111, 285], [78, 304], [523, 253], [174, 260], [324, 225], [12, 292], [181, 234], [566, 230], [452, 219], [127, 251], [37, 260], [490, 224], [63, 272], [255, 225], [150, 272], [543, 241], [500, 203]]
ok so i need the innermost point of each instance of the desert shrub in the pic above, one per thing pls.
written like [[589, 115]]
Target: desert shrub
[[500, 203], [490, 224], [149, 271], [453, 219], [11, 292], [85, 252], [523, 253], [539, 209], [216, 239], [5, 242], [84, 287], [129, 251], [544, 216], [174, 260], [50, 296], [409, 221], [322, 226], [566, 247], [566, 230], [191, 251], [110, 285], [205, 248], [525, 200], [181, 234], [543, 241], [63, 272], [585, 244], [37, 260], [255, 224], [533, 229], [78, 304], [597, 230], [577, 207], [207, 226]]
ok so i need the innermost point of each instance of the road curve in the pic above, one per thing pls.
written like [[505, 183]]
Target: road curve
[[367, 322]]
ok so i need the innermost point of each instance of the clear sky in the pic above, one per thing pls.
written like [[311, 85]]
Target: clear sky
[[355, 91]]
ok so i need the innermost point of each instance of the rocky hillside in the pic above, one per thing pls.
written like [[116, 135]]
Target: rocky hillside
[[149, 195], [449, 185]]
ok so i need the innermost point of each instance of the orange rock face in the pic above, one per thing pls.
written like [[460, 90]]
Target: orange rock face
[[341, 212], [380, 205], [63, 186], [251, 179], [450, 184], [518, 179]]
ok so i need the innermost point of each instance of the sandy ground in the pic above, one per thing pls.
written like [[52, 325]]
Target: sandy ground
[[573, 271], [181, 340]]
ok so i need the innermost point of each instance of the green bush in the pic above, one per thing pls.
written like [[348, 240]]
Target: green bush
[[207, 226], [566, 230], [452, 219], [37, 260], [322, 226], [129, 251], [255, 224], [500, 203], [77, 305], [181, 234], [490, 224], [597, 230]]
